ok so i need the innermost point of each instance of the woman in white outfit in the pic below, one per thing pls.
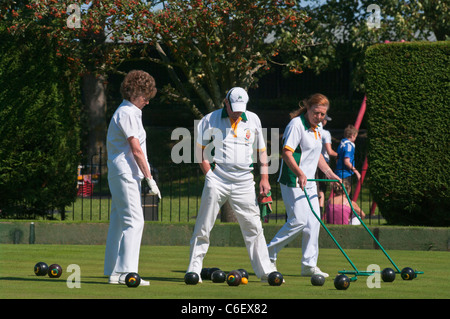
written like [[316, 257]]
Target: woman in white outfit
[[127, 167], [302, 145]]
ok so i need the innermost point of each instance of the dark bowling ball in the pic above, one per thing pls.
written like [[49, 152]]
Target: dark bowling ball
[[204, 273], [317, 280], [388, 275], [210, 272], [54, 271], [408, 273], [133, 280], [341, 282], [275, 278], [41, 269], [218, 276], [191, 278], [244, 273], [234, 278]]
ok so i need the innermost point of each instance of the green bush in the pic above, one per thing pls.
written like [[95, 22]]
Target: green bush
[[39, 136], [408, 101]]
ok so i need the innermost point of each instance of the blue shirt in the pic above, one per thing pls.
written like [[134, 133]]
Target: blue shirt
[[345, 149]]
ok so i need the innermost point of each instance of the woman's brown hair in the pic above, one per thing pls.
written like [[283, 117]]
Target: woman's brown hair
[[337, 188], [313, 100], [138, 83]]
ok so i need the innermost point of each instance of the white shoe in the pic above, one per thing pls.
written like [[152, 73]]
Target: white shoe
[[309, 271], [113, 279], [144, 283], [122, 278]]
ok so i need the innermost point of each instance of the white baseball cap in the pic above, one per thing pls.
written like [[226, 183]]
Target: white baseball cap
[[238, 99]]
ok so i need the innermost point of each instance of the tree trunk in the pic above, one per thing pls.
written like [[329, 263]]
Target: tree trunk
[[94, 99]]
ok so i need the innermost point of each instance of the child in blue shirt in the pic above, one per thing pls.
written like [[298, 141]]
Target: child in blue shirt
[[345, 165]]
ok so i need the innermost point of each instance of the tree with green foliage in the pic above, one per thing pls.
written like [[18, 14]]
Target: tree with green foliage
[[408, 95], [39, 135], [345, 29], [207, 46], [211, 46]]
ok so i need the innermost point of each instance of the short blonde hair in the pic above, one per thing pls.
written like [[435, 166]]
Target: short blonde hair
[[349, 131], [138, 83]]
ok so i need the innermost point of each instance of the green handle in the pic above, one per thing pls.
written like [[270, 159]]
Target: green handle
[[362, 223]]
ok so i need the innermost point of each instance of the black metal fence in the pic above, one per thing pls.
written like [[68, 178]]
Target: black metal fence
[[181, 188]]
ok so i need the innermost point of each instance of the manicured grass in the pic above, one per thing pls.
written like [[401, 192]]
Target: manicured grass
[[165, 266]]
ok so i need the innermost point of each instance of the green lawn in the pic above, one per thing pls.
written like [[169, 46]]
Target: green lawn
[[165, 266]]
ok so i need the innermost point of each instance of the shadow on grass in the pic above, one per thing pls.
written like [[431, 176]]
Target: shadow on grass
[[37, 279], [94, 280]]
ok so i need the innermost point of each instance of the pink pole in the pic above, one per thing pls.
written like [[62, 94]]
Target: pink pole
[[372, 209], [362, 110]]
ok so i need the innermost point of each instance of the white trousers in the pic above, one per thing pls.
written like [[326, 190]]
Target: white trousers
[[125, 227], [242, 199], [300, 218]]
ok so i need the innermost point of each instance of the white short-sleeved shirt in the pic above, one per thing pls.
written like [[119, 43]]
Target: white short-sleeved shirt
[[305, 143], [230, 144], [125, 123], [326, 139]]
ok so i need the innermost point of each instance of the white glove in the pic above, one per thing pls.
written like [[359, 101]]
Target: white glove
[[154, 190]]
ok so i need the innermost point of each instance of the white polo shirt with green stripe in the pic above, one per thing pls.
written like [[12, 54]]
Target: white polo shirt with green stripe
[[233, 142], [305, 143]]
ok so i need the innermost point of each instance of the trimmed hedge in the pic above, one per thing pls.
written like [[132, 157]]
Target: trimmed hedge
[[39, 135], [408, 102]]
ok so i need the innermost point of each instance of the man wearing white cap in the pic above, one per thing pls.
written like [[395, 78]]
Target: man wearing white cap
[[233, 132]]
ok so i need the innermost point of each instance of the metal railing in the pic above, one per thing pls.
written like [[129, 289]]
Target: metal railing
[[181, 188]]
